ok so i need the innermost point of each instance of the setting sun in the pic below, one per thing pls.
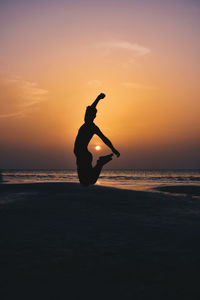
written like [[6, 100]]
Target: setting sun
[[98, 148], [151, 118]]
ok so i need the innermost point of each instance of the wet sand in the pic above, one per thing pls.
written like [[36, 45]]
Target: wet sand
[[63, 241]]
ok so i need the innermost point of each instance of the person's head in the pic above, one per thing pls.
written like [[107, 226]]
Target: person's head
[[90, 114]]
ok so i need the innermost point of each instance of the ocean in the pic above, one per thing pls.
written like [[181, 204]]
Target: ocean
[[125, 179]]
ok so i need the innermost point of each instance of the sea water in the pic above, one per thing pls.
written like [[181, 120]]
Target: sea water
[[126, 179]]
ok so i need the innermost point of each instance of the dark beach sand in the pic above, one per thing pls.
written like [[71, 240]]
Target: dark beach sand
[[62, 241]]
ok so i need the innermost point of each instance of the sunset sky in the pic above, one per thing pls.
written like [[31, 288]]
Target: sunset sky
[[57, 56]]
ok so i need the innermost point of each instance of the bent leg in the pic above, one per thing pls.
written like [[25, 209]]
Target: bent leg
[[87, 174], [84, 175], [84, 167], [103, 160]]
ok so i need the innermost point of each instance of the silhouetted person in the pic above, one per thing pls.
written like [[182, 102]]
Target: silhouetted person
[[86, 173]]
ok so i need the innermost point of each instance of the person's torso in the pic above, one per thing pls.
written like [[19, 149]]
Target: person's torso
[[84, 136]]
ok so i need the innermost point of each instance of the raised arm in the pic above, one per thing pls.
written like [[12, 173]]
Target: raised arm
[[101, 96], [107, 142]]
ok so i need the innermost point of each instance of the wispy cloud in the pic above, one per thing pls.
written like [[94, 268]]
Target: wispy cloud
[[135, 48], [4, 116], [136, 85], [17, 96], [94, 83]]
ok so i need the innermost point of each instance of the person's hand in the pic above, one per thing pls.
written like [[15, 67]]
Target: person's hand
[[116, 152], [101, 96]]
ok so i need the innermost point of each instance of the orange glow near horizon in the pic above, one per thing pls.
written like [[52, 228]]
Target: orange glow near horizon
[[142, 56]]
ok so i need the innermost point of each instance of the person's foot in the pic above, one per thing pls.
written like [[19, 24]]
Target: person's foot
[[105, 159]]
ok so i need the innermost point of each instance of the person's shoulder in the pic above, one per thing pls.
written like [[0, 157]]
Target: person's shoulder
[[96, 128], [94, 125], [82, 127]]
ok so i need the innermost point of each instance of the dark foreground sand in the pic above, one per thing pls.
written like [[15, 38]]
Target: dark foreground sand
[[62, 241]]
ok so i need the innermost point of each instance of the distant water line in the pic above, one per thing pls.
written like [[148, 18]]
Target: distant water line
[[128, 179]]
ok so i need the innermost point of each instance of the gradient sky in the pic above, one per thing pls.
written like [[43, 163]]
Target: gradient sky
[[57, 56]]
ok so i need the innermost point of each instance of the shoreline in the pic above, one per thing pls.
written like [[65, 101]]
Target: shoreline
[[189, 189]]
